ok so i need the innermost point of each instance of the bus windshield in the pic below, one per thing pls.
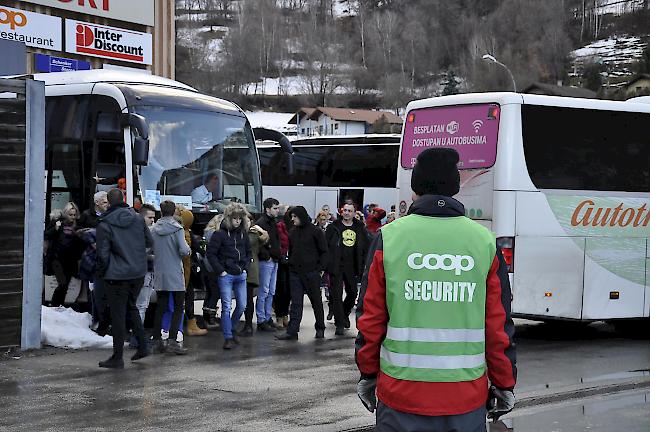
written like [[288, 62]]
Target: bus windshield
[[202, 159], [470, 129]]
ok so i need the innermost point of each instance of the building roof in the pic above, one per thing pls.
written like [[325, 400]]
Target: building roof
[[347, 114], [302, 112], [355, 115], [637, 78], [554, 90]]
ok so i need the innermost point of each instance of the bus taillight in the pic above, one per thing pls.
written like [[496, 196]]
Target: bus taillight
[[507, 246], [493, 112]]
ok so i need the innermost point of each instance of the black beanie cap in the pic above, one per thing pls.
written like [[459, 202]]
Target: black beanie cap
[[436, 172]]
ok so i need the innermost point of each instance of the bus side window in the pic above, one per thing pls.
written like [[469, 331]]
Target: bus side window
[[65, 119]]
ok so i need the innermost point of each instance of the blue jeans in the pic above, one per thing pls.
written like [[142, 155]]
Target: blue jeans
[[266, 290], [227, 285]]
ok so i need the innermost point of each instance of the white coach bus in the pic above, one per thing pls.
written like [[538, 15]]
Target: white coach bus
[[564, 184], [330, 169]]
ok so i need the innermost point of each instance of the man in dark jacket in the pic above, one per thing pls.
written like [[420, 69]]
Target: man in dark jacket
[[307, 261], [347, 244], [90, 217], [122, 240], [268, 258]]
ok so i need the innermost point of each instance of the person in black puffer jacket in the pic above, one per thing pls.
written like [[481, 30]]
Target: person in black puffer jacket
[[229, 254], [307, 261]]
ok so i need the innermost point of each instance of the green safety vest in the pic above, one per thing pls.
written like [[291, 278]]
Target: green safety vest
[[436, 268]]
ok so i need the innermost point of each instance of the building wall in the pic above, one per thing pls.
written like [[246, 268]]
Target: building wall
[[163, 34]]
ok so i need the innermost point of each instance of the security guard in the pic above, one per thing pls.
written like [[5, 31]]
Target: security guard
[[434, 313]]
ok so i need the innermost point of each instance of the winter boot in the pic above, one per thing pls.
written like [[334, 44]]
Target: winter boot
[[176, 348], [112, 363], [247, 331], [228, 344], [320, 334], [339, 331], [195, 330], [210, 317], [279, 322], [285, 321], [287, 336]]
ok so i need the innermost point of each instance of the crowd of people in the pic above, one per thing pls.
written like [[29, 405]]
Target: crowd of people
[[259, 268], [428, 343]]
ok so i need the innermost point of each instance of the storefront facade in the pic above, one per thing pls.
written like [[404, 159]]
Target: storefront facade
[[63, 35]]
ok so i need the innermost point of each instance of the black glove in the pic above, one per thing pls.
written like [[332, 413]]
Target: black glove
[[366, 391], [499, 403]]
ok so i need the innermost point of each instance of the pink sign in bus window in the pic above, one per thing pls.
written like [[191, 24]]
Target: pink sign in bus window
[[470, 129]]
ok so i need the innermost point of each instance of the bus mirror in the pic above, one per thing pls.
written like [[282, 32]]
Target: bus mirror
[[281, 139], [136, 122], [140, 151]]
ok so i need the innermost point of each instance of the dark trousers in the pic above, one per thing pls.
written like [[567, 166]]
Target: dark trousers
[[390, 420], [161, 306], [301, 284], [250, 306], [122, 295], [282, 297], [342, 308], [101, 309], [63, 274], [189, 301], [212, 289]]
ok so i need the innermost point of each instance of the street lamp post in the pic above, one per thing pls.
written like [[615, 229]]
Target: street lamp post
[[491, 58]]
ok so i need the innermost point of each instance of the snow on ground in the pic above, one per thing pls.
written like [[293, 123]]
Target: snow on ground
[[64, 328], [619, 48], [288, 86], [272, 120]]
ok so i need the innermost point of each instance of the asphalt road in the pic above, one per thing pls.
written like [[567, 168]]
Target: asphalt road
[[309, 385]]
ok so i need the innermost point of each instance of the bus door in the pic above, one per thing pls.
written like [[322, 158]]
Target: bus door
[[65, 127], [104, 146], [326, 197]]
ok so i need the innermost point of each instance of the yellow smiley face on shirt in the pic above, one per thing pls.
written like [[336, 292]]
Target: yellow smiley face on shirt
[[349, 237]]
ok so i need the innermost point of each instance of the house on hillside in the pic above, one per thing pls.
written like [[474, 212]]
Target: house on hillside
[[344, 121], [638, 86], [554, 90]]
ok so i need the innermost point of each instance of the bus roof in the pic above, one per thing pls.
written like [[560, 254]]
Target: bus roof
[[505, 98], [107, 76]]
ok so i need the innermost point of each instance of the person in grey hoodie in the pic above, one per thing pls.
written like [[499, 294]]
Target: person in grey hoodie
[[122, 240], [169, 247]]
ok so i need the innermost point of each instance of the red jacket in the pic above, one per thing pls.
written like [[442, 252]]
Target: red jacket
[[284, 238], [436, 398], [373, 221]]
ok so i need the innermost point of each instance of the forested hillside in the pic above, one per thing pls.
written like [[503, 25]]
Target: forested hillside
[[382, 53]]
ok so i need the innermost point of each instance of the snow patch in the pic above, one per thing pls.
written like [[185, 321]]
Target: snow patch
[[272, 120], [64, 328]]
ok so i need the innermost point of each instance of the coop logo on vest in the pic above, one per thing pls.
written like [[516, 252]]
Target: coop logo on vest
[[108, 42], [457, 263]]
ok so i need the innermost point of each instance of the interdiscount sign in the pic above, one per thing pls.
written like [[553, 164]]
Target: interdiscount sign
[[107, 42], [35, 30]]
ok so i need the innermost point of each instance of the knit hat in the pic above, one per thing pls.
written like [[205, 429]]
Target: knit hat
[[436, 173]]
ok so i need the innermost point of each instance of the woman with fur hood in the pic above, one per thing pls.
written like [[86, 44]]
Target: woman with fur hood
[[229, 254]]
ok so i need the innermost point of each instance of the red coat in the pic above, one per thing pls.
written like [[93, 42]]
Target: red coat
[[284, 238], [373, 221]]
